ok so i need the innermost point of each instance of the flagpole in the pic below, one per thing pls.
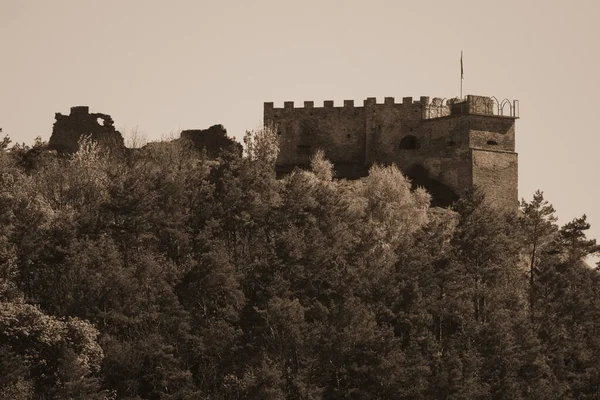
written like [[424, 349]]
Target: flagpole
[[461, 74]]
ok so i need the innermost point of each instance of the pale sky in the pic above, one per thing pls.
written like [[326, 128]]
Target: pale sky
[[162, 66]]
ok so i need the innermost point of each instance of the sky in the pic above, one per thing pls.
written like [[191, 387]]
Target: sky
[[161, 66]]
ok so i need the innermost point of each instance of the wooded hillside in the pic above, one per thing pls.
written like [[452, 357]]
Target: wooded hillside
[[169, 274]]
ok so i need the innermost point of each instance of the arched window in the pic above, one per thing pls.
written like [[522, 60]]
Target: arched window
[[409, 142]]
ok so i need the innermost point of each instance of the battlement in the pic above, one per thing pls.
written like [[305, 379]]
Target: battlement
[[369, 101], [445, 145], [435, 108]]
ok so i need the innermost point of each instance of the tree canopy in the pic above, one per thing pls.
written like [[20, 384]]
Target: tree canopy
[[173, 273]]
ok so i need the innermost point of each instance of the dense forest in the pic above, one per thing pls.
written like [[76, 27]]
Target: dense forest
[[169, 273]]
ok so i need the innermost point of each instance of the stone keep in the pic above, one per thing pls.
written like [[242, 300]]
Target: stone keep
[[445, 146]]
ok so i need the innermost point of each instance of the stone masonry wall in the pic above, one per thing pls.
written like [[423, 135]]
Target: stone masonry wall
[[442, 144], [446, 154], [492, 133], [444, 151], [496, 173], [338, 131], [386, 124]]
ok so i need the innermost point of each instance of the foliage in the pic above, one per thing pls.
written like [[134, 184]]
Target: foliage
[[166, 273]]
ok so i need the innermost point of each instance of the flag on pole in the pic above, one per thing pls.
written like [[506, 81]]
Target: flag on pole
[[462, 74]]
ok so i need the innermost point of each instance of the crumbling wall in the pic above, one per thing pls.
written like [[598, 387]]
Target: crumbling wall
[[213, 140], [69, 129]]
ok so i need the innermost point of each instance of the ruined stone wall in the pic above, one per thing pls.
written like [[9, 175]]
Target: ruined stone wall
[[338, 131], [213, 140], [496, 173], [68, 130]]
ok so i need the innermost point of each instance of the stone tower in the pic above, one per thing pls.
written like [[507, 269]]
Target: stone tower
[[445, 146]]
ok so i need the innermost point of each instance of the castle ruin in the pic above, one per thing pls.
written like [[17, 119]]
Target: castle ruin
[[69, 129], [447, 146]]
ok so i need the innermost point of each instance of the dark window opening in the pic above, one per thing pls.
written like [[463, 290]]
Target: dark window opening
[[492, 142], [409, 142]]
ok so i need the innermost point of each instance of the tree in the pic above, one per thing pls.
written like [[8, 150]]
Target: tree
[[61, 356], [5, 142], [262, 144], [575, 242], [539, 230], [321, 167]]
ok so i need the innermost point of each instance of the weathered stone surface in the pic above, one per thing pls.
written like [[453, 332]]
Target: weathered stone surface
[[214, 140], [68, 130], [446, 147], [497, 175]]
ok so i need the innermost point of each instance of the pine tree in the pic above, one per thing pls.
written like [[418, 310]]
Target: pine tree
[[537, 225]]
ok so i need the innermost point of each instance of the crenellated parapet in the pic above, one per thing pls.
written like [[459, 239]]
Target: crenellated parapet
[[444, 144], [369, 101]]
